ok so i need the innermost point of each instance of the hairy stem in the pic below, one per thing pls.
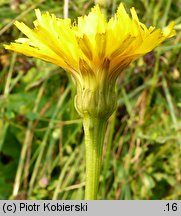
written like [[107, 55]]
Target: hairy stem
[[94, 129]]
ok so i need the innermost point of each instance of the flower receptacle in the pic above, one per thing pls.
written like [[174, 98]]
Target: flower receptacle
[[95, 103]]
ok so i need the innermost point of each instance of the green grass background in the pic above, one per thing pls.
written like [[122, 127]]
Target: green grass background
[[42, 153]]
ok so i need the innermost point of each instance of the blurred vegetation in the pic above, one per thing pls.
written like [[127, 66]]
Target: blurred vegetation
[[41, 137]]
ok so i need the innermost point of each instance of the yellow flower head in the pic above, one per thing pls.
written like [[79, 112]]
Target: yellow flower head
[[93, 50]]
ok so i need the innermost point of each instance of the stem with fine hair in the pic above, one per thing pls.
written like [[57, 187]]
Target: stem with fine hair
[[94, 129]]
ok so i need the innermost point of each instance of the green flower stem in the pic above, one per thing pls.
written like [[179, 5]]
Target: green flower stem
[[94, 129]]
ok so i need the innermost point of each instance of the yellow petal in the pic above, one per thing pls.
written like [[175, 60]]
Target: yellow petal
[[92, 49]]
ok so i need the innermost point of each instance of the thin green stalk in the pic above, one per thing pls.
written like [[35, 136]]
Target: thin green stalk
[[94, 129], [108, 153], [62, 175], [176, 127], [153, 82], [171, 108], [23, 162], [44, 142], [4, 124]]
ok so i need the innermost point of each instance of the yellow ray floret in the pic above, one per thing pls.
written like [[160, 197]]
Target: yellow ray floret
[[82, 48]]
